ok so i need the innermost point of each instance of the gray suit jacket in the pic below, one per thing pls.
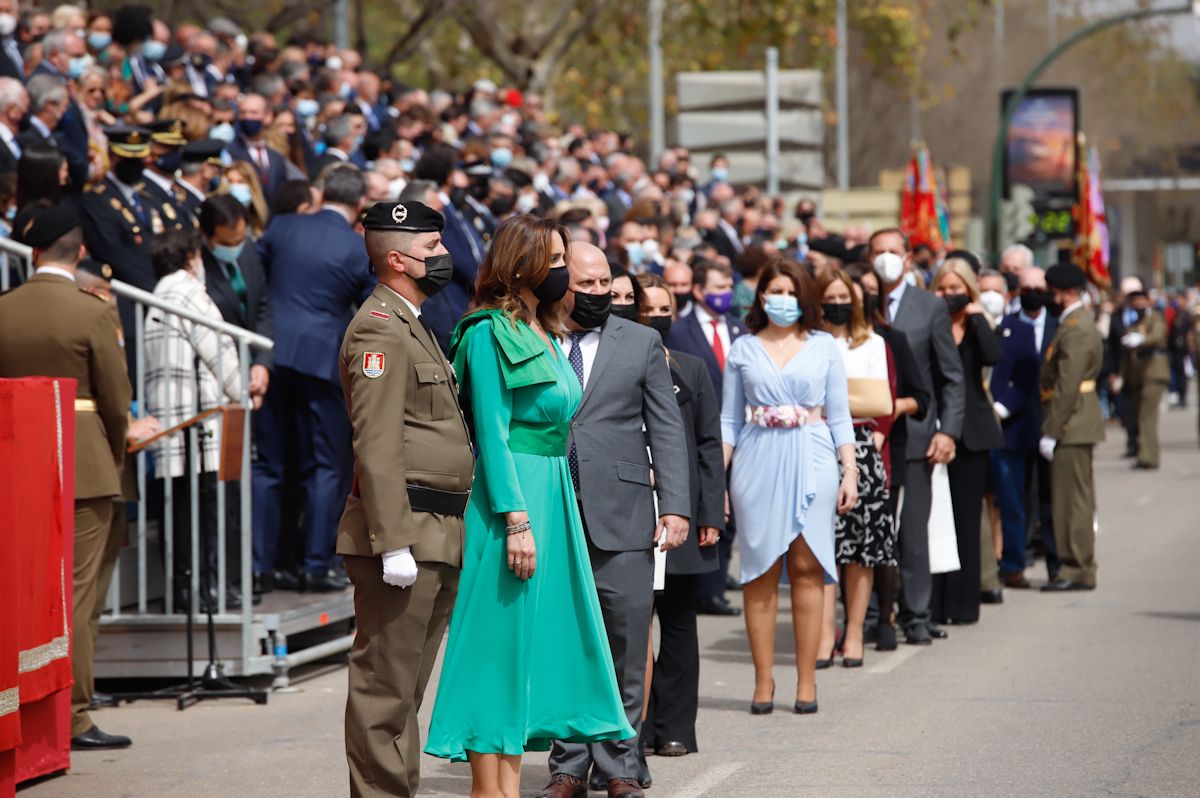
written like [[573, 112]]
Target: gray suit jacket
[[923, 319], [629, 385]]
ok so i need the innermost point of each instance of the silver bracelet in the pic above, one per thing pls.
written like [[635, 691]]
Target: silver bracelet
[[517, 529]]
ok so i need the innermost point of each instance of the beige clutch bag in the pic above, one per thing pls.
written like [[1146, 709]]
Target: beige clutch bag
[[869, 397]]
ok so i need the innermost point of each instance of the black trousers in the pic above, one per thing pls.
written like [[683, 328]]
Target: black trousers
[[181, 533], [675, 691], [712, 584], [956, 594]]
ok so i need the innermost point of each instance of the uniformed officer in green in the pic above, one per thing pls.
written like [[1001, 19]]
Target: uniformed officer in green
[[1071, 426], [166, 158], [1146, 373], [401, 532], [49, 327]]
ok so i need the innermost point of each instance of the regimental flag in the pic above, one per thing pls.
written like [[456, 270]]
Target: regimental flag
[[1091, 224], [924, 217]]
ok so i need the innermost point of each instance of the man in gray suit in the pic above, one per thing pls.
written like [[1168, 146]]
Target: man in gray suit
[[626, 385], [923, 318]]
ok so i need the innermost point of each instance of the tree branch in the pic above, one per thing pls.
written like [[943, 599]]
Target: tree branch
[[432, 12]]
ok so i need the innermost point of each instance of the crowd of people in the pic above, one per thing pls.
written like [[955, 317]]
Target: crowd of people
[[630, 341]]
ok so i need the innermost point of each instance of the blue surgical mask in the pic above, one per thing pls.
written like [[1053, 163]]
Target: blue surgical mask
[[720, 174], [636, 253], [307, 107], [781, 309], [154, 50], [78, 66], [98, 40], [223, 132], [228, 254], [345, 91], [357, 145], [502, 157], [241, 193], [407, 164]]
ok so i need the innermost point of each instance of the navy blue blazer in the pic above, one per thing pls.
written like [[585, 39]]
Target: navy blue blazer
[[686, 336], [443, 310], [272, 178], [318, 274], [71, 133], [1016, 382]]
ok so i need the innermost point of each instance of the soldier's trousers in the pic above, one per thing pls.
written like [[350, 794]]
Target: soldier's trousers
[[1147, 400], [396, 643], [1073, 498], [93, 525]]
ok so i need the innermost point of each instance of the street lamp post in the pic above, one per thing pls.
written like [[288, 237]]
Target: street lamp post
[[1193, 7]]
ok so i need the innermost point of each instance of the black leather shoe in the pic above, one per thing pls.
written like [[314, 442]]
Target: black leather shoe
[[321, 583], [672, 748], [936, 632], [1145, 467], [852, 662], [886, 638], [993, 596], [716, 606], [1065, 585], [285, 580], [918, 636], [95, 740], [731, 583], [263, 583], [101, 699]]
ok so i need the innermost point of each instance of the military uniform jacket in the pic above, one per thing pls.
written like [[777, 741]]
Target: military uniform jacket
[[1148, 362], [170, 203], [408, 430], [1070, 407], [118, 235], [50, 328]]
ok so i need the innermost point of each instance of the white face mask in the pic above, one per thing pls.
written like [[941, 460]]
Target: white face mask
[[889, 267], [993, 302], [8, 24], [650, 247], [526, 203], [541, 182], [395, 187]]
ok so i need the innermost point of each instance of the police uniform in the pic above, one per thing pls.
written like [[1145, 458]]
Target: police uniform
[[412, 477], [1071, 418], [170, 200], [49, 327], [200, 151], [1146, 373]]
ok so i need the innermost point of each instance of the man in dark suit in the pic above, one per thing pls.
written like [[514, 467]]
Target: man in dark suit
[[725, 237], [48, 101], [12, 65], [62, 55], [708, 332], [1123, 319], [923, 318], [318, 273], [199, 171], [14, 106], [343, 137], [628, 398], [249, 146]]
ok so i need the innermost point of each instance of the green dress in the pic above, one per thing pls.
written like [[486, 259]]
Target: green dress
[[527, 662]]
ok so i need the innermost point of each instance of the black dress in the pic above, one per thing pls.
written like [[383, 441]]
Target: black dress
[[956, 595]]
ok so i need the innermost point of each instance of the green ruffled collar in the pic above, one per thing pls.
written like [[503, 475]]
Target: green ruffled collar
[[524, 359]]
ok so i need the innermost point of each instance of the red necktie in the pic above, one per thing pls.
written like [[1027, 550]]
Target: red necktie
[[718, 347]]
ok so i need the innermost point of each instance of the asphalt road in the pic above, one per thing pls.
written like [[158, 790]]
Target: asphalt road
[[1082, 694]]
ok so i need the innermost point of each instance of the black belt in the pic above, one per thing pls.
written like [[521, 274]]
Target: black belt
[[442, 502]]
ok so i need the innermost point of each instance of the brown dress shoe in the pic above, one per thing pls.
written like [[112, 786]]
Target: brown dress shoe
[[1017, 581], [563, 785], [625, 788]]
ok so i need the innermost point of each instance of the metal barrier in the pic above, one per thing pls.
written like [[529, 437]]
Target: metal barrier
[[143, 636]]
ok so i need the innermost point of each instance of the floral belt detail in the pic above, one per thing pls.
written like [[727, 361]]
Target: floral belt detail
[[784, 416]]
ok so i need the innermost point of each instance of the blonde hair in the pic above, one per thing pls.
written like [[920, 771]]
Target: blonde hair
[[961, 269], [258, 204]]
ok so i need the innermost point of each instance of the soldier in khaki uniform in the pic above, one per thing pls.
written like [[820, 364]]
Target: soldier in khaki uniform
[[401, 532], [1145, 372], [1071, 426], [49, 327]]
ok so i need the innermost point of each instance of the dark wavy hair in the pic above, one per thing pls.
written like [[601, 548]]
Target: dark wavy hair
[[518, 258], [806, 295]]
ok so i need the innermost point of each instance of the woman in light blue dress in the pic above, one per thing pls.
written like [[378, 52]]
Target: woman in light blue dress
[[786, 424]]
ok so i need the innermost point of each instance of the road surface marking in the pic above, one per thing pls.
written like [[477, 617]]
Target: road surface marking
[[707, 780], [894, 660]]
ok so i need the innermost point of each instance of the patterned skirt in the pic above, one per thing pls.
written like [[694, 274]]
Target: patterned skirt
[[867, 534]]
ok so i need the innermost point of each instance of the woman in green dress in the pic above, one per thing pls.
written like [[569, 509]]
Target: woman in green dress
[[528, 660]]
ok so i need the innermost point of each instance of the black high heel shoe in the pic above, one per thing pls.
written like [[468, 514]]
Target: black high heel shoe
[[822, 664], [807, 707], [766, 707]]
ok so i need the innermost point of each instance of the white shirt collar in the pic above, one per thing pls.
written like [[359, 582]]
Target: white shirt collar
[[165, 183], [195, 192], [126, 190], [704, 315], [7, 134], [1040, 321], [416, 311], [337, 153], [40, 125], [56, 271]]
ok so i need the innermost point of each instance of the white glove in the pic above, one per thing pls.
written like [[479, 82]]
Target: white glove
[[1046, 447], [1132, 340], [399, 568], [1001, 411]]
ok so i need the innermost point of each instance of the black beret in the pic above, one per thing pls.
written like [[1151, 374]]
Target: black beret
[[833, 246], [202, 150], [1065, 276], [51, 224], [970, 257], [407, 217]]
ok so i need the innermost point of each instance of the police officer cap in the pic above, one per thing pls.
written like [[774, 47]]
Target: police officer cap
[[174, 56], [167, 131], [1066, 276], [51, 224], [203, 150], [128, 142], [95, 267], [407, 217]]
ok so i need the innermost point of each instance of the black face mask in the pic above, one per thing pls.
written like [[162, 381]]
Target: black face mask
[[1054, 308], [479, 189], [837, 314], [591, 310], [438, 271], [502, 205], [554, 286], [682, 299], [628, 312], [870, 305], [1033, 301], [128, 170], [660, 324], [458, 197], [957, 303]]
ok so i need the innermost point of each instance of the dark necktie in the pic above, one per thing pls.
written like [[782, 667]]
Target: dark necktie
[[139, 210], [576, 361]]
